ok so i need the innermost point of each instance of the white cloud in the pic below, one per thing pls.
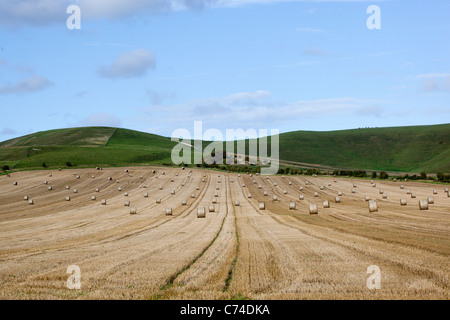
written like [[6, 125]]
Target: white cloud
[[101, 119], [32, 84], [258, 109], [134, 63], [434, 82]]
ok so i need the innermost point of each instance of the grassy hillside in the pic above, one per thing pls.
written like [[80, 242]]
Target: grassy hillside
[[406, 149], [415, 149], [90, 146]]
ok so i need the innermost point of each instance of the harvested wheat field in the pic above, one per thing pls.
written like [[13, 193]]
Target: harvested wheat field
[[235, 251]]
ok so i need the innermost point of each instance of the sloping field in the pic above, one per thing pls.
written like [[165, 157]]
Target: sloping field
[[237, 251]]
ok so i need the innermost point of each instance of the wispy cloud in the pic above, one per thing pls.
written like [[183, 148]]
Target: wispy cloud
[[101, 119], [32, 84], [131, 64], [311, 30], [8, 132]]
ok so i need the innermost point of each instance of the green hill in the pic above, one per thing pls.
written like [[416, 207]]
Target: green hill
[[91, 146], [406, 149], [409, 149]]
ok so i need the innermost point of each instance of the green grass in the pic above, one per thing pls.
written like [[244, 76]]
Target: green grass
[[405, 149]]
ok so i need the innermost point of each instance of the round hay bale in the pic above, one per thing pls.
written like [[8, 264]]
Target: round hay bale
[[249, 195], [214, 200], [446, 190], [127, 203], [275, 184], [144, 186], [262, 206], [104, 202], [353, 190], [45, 182], [285, 191], [373, 206], [367, 198], [403, 202], [97, 190], [158, 200], [49, 174], [182, 184], [237, 203], [130, 175], [30, 202], [316, 194], [172, 180], [254, 181], [168, 211], [126, 170], [216, 194], [203, 180], [172, 192], [193, 195], [301, 197], [160, 187], [430, 200], [335, 180], [340, 194], [50, 188], [321, 187], [78, 177], [326, 204], [290, 183], [68, 187], [265, 193], [201, 212], [75, 191], [423, 204], [337, 199], [67, 198], [259, 186], [354, 185], [126, 194], [384, 196], [408, 191], [301, 188], [292, 205], [381, 191], [217, 188], [402, 186], [313, 209], [435, 191], [117, 181], [141, 177], [93, 198], [329, 184], [184, 202], [204, 175], [146, 195], [25, 198], [239, 175], [133, 210], [211, 208], [110, 179], [275, 197], [231, 180], [119, 189], [413, 195], [218, 181]]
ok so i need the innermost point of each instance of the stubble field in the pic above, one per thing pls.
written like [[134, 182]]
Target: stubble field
[[237, 251]]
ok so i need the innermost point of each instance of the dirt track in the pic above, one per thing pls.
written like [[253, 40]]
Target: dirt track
[[236, 251]]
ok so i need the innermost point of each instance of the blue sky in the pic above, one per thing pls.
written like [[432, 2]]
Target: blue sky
[[157, 66]]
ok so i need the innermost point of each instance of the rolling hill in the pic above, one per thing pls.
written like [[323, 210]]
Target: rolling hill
[[405, 149]]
